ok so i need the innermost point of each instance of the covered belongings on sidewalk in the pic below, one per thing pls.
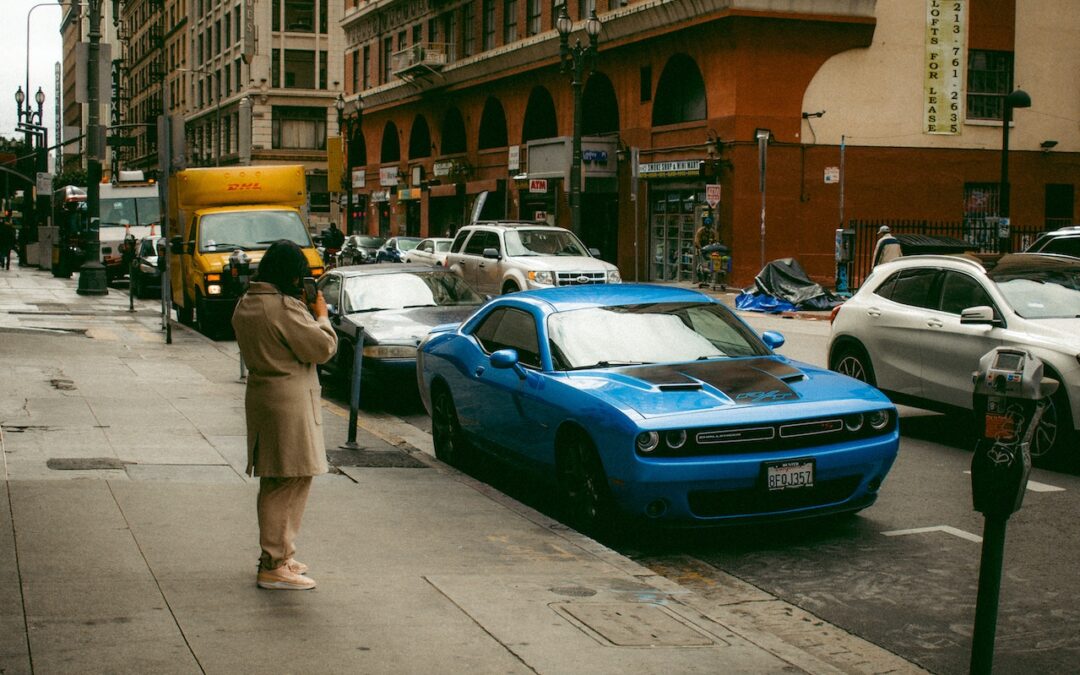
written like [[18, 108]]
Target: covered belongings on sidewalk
[[782, 286]]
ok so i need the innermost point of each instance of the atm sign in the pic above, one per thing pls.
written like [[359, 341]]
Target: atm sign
[[538, 185]]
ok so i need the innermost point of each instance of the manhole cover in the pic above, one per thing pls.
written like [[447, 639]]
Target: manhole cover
[[574, 591], [636, 624], [85, 463], [395, 459]]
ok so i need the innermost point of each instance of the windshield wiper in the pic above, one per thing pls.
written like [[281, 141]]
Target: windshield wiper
[[610, 364], [223, 245], [430, 304], [369, 309]]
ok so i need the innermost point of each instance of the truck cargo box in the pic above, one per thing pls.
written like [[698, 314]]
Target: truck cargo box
[[232, 186]]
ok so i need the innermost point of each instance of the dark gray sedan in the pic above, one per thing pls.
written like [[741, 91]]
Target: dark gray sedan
[[395, 307]]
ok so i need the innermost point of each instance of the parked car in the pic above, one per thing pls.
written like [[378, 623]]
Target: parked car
[[506, 256], [395, 306], [359, 249], [431, 251], [918, 326], [145, 274], [395, 248], [693, 419], [1065, 241]]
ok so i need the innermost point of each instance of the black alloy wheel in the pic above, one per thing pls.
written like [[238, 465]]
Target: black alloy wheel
[[853, 362], [450, 446], [583, 487]]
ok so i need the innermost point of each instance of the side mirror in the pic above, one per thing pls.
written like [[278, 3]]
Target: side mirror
[[189, 248], [594, 252], [981, 315], [507, 358], [773, 339], [491, 253]]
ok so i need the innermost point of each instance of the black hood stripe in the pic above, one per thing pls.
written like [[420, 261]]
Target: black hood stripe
[[760, 380]]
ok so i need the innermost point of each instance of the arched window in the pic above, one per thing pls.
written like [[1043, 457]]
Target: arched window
[[391, 147], [493, 125], [419, 139], [453, 132], [680, 94], [540, 120], [600, 108], [357, 148]]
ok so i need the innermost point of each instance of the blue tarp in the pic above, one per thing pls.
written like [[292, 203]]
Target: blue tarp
[[755, 301]]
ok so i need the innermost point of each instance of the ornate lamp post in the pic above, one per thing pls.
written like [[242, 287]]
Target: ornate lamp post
[[350, 118], [578, 61], [1017, 99], [37, 139]]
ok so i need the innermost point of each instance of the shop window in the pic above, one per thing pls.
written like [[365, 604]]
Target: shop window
[[299, 128], [989, 80]]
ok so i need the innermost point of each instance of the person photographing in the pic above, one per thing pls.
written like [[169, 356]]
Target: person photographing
[[283, 333]]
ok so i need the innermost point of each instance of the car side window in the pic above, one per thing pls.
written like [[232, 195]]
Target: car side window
[[508, 328], [459, 241], [331, 289], [960, 291], [1063, 246], [886, 288], [912, 287], [481, 240]]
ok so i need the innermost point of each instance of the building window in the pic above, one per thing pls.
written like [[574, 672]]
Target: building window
[[356, 70], [299, 68], [387, 49], [323, 60], [417, 34], [981, 213], [556, 5], [299, 128], [300, 16], [532, 21], [450, 35], [366, 65], [468, 27], [586, 8], [318, 193], [488, 27], [228, 26], [989, 80], [510, 30]]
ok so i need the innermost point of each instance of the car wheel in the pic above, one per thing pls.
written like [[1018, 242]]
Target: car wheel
[[854, 362], [510, 287], [450, 445], [583, 485], [1055, 433]]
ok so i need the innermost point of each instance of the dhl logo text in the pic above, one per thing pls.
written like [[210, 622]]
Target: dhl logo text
[[243, 186]]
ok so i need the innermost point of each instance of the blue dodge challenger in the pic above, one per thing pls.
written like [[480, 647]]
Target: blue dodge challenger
[[653, 401]]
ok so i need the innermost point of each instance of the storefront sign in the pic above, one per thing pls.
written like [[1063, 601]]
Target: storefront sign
[[538, 185], [594, 155], [513, 158], [380, 195], [359, 178], [832, 174], [442, 168], [943, 74], [388, 176], [405, 194], [685, 167], [712, 194]]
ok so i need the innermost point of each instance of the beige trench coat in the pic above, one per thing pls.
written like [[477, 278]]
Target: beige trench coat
[[281, 344]]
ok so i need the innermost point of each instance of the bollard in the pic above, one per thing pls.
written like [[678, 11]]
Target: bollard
[[354, 391]]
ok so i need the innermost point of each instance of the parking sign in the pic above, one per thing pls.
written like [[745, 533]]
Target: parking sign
[[712, 194]]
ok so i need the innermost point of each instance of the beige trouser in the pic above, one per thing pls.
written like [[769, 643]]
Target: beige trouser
[[281, 508]]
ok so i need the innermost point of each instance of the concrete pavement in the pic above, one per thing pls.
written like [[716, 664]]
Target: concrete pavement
[[128, 540]]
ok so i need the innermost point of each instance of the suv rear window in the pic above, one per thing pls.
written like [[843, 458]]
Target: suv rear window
[[1063, 246], [481, 240], [459, 240]]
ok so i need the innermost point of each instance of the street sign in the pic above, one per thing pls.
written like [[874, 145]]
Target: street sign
[[712, 194], [832, 174], [538, 185]]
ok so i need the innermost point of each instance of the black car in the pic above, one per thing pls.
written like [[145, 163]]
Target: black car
[[145, 274], [394, 249], [359, 249], [395, 306]]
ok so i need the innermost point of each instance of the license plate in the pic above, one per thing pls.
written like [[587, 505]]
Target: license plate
[[788, 475]]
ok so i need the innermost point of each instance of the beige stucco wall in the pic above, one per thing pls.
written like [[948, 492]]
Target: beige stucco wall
[[873, 96]]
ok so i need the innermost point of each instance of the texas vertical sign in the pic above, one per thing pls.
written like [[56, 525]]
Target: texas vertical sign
[[943, 76]]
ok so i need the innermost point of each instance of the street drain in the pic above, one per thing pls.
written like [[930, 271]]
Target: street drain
[[85, 463], [62, 385], [635, 624], [382, 459]]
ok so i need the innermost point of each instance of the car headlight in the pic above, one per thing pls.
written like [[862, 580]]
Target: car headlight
[[613, 277], [147, 269], [675, 439], [542, 277], [647, 441], [879, 419], [213, 289], [853, 422], [390, 351]]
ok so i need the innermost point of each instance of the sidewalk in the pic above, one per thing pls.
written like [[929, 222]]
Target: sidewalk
[[128, 539]]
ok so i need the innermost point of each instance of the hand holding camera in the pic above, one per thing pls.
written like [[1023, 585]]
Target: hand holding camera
[[314, 298]]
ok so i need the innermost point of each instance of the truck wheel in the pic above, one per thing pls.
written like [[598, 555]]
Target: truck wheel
[[185, 314], [203, 322]]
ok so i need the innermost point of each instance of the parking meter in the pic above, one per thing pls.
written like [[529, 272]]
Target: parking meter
[[1009, 398], [238, 272]]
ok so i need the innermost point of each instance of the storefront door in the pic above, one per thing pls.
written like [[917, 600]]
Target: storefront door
[[673, 218]]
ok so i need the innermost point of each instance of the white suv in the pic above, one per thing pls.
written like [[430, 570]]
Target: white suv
[[507, 256]]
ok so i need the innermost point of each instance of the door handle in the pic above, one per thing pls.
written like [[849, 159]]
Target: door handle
[[934, 323], [874, 312], [479, 371]]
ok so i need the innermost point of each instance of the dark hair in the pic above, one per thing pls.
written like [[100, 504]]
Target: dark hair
[[283, 266]]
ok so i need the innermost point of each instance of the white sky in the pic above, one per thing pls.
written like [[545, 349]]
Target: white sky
[[45, 51]]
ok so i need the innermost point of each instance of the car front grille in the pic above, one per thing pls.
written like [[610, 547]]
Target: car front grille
[[758, 500], [579, 278]]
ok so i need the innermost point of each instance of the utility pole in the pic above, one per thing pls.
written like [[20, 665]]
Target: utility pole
[[92, 279]]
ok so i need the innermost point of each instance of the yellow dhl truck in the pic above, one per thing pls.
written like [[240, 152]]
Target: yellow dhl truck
[[221, 221]]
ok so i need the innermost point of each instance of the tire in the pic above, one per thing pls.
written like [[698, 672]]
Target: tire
[[450, 444], [185, 314], [583, 487], [1055, 436], [510, 287], [203, 324], [852, 360]]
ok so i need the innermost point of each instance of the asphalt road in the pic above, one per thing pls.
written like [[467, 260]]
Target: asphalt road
[[904, 572]]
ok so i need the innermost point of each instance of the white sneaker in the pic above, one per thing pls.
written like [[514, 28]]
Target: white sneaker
[[284, 579]]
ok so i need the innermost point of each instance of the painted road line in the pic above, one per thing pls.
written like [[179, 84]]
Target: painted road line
[[936, 528], [1036, 486]]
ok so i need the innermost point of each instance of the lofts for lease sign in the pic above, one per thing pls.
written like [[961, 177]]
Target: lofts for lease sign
[[943, 78]]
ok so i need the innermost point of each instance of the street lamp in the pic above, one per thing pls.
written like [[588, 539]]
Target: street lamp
[[578, 61], [350, 123], [1017, 99], [37, 141]]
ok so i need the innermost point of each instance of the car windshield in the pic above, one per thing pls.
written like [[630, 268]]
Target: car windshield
[[442, 246], [250, 230], [368, 293], [368, 242], [596, 337], [1040, 290], [543, 242]]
